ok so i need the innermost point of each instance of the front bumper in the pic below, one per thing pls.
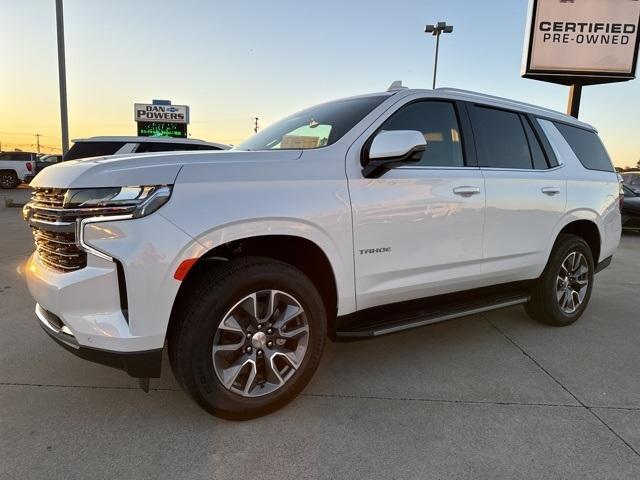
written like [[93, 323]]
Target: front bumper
[[147, 364], [84, 311]]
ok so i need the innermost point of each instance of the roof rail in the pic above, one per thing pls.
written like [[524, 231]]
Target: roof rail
[[495, 97]]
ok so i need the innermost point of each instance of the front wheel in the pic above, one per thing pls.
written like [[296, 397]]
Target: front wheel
[[249, 337], [561, 294]]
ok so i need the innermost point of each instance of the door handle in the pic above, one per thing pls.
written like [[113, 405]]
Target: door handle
[[551, 191], [466, 191]]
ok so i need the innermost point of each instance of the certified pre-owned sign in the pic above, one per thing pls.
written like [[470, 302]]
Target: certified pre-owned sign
[[144, 112], [582, 41]]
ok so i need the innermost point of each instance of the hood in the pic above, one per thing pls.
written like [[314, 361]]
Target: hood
[[142, 168]]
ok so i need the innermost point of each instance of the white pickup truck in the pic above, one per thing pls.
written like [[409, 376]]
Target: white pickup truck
[[16, 167], [351, 219]]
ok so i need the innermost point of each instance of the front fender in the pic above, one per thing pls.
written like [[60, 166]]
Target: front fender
[[342, 267]]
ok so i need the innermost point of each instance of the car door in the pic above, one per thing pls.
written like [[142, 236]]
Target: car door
[[525, 193], [418, 228]]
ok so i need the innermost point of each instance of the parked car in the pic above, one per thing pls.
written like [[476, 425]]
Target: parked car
[[46, 161], [631, 180], [630, 209], [100, 146], [16, 167], [351, 219]]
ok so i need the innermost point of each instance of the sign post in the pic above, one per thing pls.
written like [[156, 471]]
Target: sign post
[[573, 105], [581, 42]]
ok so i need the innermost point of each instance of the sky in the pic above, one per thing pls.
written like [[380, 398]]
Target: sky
[[231, 61]]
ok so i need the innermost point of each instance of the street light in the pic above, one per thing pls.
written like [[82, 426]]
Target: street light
[[436, 30]]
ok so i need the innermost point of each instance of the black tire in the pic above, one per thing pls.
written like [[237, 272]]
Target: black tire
[[9, 180], [544, 305], [194, 327]]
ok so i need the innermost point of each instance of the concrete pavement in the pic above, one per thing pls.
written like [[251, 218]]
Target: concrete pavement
[[488, 396]]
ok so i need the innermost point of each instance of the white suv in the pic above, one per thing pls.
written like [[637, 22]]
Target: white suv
[[351, 219]]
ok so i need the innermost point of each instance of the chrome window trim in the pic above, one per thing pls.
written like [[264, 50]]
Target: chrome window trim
[[430, 167], [488, 169], [541, 170]]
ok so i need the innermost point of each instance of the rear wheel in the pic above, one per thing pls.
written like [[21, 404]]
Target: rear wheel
[[9, 180], [562, 292], [249, 338]]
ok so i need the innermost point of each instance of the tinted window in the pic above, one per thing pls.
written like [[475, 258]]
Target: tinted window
[[438, 124], [19, 156], [537, 154], [631, 179], [587, 147], [314, 127], [169, 147], [92, 149], [500, 139]]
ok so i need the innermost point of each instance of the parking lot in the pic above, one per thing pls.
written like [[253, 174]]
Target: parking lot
[[487, 396]]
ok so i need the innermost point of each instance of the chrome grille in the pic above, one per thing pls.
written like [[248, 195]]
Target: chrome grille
[[54, 231], [48, 197]]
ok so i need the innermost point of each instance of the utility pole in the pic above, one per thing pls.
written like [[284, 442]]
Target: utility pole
[[62, 78], [38, 142], [436, 30], [255, 125]]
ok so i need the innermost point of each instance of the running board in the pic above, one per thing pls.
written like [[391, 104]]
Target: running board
[[369, 324]]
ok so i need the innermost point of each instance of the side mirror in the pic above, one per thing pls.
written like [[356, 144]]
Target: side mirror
[[392, 148]]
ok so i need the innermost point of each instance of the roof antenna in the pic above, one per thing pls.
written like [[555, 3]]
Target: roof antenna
[[396, 86]]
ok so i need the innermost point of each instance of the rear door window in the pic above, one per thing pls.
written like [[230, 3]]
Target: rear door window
[[500, 139], [92, 149], [587, 146]]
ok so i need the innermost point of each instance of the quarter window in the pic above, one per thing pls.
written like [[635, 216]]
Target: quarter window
[[500, 139], [587, 147], [438, 124]]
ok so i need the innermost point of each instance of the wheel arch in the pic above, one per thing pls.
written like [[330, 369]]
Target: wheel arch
[[300, 252], [588, 230]]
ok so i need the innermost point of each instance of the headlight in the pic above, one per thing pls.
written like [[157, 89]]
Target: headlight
[[135, 201]]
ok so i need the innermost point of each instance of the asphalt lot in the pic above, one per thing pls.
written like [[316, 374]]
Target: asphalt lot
[[484, 397]]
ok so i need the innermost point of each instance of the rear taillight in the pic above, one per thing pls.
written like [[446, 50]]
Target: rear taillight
[[29, 166]]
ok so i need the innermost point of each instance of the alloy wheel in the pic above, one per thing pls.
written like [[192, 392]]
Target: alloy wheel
[[572, 282], [6, 181], [260, 343]]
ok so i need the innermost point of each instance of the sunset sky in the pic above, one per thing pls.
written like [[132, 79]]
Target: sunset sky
[[234, 60]]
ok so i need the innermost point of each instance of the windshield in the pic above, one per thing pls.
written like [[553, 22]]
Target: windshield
[[314, 127]]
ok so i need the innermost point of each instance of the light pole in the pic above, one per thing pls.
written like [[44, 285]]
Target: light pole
[[436, 30], [62, 78]]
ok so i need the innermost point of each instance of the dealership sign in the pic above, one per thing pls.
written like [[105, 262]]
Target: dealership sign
[[582, 41], [161, 119], [145, 112]]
